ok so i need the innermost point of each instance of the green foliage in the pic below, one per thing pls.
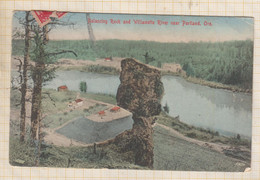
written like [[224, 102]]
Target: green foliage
[[39, 55], [166, 108], [159, 64], [148, 58], [238, 137], [189, 69], [83, 86], [228, 62]]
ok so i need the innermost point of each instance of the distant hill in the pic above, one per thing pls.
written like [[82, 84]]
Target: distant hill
[[229, 62]]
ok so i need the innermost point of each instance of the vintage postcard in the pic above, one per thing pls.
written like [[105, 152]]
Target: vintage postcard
[[126, 91]]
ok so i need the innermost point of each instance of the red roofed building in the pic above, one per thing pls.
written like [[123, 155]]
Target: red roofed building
[[115, 109], [108, 59], [63, 88], [79, 102], [101, 113]]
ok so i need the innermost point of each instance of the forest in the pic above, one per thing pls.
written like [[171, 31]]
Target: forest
[[229, 62]]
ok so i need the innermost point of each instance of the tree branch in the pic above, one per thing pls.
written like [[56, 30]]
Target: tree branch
[[20, 69], [48, 94]]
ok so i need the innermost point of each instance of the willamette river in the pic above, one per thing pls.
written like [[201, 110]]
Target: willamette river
[[220, 110]]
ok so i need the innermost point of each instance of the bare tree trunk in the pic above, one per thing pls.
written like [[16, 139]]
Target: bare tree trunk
[[40, 138], [38, 77], [90, 30], [25, 78], [36, 99]]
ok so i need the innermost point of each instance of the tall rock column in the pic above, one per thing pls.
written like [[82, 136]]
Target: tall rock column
[[140, 92]]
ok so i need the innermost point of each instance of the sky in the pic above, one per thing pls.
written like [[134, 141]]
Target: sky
[[221, 29]]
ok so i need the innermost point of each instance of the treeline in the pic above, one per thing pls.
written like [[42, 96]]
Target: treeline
[[228, 62]]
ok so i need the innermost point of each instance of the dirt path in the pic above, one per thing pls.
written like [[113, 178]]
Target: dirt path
[[212, 146]]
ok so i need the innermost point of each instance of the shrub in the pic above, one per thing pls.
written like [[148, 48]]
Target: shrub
[[166, 108], [191, 134], [83, 86]]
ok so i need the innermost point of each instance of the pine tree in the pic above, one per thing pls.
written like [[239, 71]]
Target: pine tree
[[83, 86]]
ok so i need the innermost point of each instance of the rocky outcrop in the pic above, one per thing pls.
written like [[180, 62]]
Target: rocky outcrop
[[140, 92]]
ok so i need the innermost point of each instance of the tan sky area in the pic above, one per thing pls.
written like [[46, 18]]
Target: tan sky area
[[141, 35]]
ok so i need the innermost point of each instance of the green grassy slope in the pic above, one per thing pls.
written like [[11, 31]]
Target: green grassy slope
[[173, 153]]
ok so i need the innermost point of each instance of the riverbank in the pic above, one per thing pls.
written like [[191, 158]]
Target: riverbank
[[199, 133], [114, 68], [235, 147], [174, 152], [210, 84]]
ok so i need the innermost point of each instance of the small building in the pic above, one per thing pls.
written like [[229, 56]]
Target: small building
[[79, 102], [108, 59], [101, 113], [63, 88], [115, 109], [70, 104]]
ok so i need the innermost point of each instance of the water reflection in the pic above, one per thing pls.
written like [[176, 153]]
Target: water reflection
[[217, 109], [216, 96]]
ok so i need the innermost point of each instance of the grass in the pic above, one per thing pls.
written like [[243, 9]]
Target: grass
[[23, 154], [111, 99], [56, 120], [58, 101], [173, 153], [199, 133], [170, 152], [54, 101]]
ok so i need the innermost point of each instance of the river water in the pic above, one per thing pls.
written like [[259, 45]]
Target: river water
[[216, 109]]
